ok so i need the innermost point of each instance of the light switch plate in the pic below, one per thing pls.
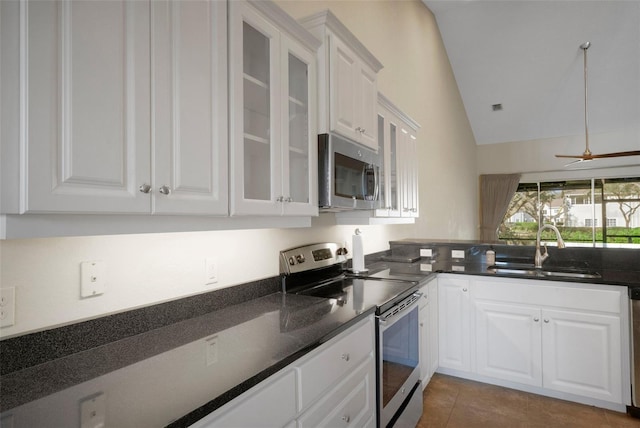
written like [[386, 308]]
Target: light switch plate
[[210, 271], [426, 267], [93, 278]]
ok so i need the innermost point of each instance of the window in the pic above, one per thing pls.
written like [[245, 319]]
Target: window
[[595, 212]]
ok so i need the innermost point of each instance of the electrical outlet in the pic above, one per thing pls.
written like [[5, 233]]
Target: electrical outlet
[[93, 278], [93, 411], [426, 252], [7, 306], [457, 254], [210, 270]]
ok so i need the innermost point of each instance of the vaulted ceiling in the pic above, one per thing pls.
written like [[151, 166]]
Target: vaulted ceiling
[[526, 56]]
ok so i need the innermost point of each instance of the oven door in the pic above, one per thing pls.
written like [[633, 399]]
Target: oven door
[[400, 394]]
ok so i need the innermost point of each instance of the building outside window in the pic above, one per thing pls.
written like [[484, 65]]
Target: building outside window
[[593, 212]]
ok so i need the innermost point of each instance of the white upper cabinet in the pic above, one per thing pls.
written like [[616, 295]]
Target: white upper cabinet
[[86, 111], [347, 81], [399, 147], [122, 107], [189, 110], [272, 112]]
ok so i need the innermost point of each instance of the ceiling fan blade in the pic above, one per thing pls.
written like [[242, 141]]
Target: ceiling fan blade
[[617, 154], [583, 157]]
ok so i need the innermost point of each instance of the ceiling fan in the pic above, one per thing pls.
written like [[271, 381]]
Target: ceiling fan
[[587, 155]]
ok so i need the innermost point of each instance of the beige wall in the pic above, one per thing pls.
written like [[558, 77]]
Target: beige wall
[[145, 269]]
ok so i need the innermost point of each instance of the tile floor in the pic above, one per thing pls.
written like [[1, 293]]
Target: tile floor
[[458, 403]]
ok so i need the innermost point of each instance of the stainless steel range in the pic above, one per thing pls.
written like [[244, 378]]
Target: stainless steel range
[[319, 270]]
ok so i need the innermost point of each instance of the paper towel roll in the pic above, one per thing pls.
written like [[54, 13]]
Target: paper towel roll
[[357, 261]]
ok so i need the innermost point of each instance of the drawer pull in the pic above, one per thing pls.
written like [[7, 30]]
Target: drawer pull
[[346, 418], [546, 321], [345, 357], [536, 319]]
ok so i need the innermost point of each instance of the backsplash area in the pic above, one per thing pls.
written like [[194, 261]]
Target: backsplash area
[[142, 270]]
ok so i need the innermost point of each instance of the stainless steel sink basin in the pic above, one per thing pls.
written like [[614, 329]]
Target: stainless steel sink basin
[[530, 270]]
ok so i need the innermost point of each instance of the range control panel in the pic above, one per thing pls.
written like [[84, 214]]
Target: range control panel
[[312, 256]]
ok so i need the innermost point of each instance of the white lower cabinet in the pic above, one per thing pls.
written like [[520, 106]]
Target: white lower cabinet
[[508, 342], [582, 354], [566, 340], [270, 404], [428, 320], [334, 386], [454, 334], [350, 403]]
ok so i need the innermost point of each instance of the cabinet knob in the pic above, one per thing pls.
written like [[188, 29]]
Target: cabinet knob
[[165, 190], [536, 319], [421, 324], [145, 188], [346, 418], [345, 357], [289, 199], [546, 321], [280, 199], [464, 289]]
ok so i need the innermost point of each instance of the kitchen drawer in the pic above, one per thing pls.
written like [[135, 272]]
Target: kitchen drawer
[[325, 369], [588, 297], [271, 403], [350, 404]]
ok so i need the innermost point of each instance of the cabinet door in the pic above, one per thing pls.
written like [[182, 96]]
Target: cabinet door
[[582, 354], [453, 330], [299, 154], [433, 327], [272, 403], [190, 107], [423, 320], [508, 340], [343, 87], [87, 130], [367, 107], [255, 112]]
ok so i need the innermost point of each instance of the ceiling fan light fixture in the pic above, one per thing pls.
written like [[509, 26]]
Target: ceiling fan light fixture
[[587, 154]]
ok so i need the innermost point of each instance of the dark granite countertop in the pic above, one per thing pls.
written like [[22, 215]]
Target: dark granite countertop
[[178, 373]]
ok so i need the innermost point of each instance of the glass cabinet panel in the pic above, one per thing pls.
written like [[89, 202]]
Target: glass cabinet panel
[[393, 170], [257, 114], [298, 130]]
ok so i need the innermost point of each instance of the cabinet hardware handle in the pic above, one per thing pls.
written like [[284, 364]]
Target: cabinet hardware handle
[[362, 130], [358, 129], [464, 289], [165, 190], [547, 321], [280, 199], [145, 188], [289, 199], [346, 418], [403, 391], [536, 319], [345, 357]]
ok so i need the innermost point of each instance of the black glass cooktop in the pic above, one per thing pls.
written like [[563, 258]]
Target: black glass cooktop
[[363, 292]]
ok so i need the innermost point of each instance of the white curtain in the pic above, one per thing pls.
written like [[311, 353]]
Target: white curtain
[[496, 192]]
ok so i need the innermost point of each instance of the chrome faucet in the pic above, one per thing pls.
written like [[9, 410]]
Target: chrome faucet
[[540, 257]]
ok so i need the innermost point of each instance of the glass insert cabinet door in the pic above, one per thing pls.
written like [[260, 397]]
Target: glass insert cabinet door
[[256, 114], [272, 118]]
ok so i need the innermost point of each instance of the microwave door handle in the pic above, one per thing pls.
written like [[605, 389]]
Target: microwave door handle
[[376, 187], [364, 182]]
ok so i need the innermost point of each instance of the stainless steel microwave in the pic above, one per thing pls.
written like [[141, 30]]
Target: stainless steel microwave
[[348, 175]]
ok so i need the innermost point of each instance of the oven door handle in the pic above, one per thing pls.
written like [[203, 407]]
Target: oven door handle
[[387, 320]]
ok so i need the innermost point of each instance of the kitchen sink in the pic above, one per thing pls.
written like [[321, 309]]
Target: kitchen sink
[[550, 272]]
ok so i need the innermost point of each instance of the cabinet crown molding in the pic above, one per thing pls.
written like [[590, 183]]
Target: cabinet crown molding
[[327, 19], [293, 27], [386, 103]]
